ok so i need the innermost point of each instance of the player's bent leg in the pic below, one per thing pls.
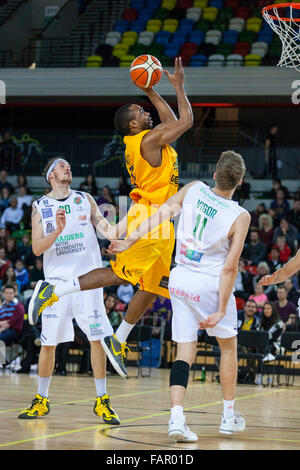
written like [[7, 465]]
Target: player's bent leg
[[102, 406], [115, 346], [179, 376], [40, 405], [45, 294], [231, 421]]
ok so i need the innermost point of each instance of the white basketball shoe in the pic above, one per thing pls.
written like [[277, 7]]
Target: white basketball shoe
[[179, 431], [232, 425]]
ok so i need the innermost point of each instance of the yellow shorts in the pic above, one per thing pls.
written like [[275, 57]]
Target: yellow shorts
[[148, 261]]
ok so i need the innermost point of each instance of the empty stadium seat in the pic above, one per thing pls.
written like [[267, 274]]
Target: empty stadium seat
[[146, 38], [210, 13], [230, 36], [236, 24], [153, 25], [243, 12], [253, 24], [121, 26], [198, 60], [234, 60], [163, 37], [193, 13], [130, 14], [171, 50], [170, 25], [111, 41], [216, 60], [127, 60], [168, 4], [120, 50], [213, 37], [186, 25], [197, 37], [224, 48], [260, 48], [242, 48], [200, 3], [252, 60], [94, 61]]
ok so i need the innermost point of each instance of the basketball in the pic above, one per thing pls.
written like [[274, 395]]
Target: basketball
[[146, 71]]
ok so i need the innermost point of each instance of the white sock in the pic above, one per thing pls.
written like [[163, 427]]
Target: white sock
[[100, 387], [228, 408], [123, 331], [43, 386], [69, 287], [176, 412]]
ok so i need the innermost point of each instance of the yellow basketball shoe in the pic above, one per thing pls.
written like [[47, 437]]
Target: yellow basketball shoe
[[43, 296], [40, 406], [103, 409]]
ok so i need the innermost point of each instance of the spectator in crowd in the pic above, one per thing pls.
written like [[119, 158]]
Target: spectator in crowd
[[242, 192], [3, 181], [24, 251], [260, 209], [292, 293], [295, 217], [36, 273], [22, 275], [262, 270], [31, 342], [248, 318], [4, 262], [114, 317], [259, 297], [12, 216], [289, 231], [274, 260], [125, 293], [3, 237], [9, 155], [293, 323], [280, 205], [162, 310], [255, 250], [9, 278], [284, 306], [23, 198], [123, 188], [22, 182], [244, 282], [266, 230], [106, 197], [5, 199], [11, 250], [284, 249], [89, 185], [11, 316], [272, 323], [270, 152], [276, 185]]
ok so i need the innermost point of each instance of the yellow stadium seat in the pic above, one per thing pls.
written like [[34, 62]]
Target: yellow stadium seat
[[210, 13], [130, 34], [94, 61], [120, 50], [168, 5], [126, 60], [154, 26], [252, 60], [200, 3], [128, 40]]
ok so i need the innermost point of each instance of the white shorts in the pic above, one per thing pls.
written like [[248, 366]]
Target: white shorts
[[194, 297], [87, 307]]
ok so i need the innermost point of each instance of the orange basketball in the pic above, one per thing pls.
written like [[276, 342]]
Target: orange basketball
[[146, 71]]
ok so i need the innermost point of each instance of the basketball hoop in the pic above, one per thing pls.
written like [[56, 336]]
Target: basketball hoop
[[284, 19]]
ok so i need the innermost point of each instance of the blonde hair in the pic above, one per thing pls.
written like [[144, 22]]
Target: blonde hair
[[230, 170], [267, 216]]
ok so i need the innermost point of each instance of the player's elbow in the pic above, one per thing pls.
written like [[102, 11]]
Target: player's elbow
[[230, 269], [36, 251]]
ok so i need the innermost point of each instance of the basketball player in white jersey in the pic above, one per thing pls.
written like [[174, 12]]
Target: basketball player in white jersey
[[62, 230], [210, 238]]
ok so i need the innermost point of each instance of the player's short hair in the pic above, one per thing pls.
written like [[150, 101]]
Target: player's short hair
[[122, 119], [230, 170], [47, 166]]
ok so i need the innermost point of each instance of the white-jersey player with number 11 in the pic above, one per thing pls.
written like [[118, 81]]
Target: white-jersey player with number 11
[[210, 238]]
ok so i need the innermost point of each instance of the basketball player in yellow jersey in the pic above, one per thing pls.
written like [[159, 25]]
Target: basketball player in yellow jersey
[[152, 164]]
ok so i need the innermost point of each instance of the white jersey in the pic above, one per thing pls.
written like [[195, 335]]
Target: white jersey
[[76, 250], [202, 233]]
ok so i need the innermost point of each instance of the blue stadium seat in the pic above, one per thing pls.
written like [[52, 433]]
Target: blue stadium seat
[[265, 37], [163, 37], [216, 3], [198, 60], [230, 36], [197, 37], [186, 25], [171, 50], [121, 26]]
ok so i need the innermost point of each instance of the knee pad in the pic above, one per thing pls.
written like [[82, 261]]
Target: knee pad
[[180, 374]]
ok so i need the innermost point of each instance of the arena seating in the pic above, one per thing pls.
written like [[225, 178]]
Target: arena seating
[[203, 32]]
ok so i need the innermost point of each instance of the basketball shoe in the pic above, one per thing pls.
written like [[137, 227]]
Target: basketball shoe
[[116, 353], [179, 431], [43, 296], [232, 425], [40, 406], [103, 409]]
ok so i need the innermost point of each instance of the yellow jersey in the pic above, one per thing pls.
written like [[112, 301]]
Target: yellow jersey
[[152, 185]]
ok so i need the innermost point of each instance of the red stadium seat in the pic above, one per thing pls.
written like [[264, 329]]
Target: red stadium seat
[[242, 48], [243, 12], [130, 14]]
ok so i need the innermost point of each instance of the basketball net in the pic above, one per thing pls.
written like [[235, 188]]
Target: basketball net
[[284, 19]]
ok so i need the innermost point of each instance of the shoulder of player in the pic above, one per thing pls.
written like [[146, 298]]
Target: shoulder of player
[[242, 221]]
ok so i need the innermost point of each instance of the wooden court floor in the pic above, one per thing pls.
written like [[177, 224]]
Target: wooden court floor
[[272, 415]]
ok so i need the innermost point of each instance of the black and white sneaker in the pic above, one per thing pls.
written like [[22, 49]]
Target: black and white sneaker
[[43, 296]]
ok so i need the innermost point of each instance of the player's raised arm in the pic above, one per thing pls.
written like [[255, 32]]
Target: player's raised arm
[[165, 112], [283, 273], [40, 243], [111, 232], [168, 210], [167, 132]]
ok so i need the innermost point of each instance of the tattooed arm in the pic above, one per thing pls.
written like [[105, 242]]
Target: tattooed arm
[[111, 232], [40, 243]]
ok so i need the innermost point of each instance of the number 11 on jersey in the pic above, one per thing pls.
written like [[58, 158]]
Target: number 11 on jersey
[[199, 226]]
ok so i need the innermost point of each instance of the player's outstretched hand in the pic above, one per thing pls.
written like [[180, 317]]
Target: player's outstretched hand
[[177, 78], [267, 280], [60, 220], [117, 246], [211, 321]]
